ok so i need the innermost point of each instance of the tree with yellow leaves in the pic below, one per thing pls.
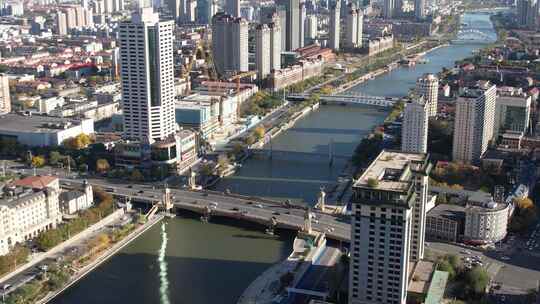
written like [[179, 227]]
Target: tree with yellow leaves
[[38, 161]]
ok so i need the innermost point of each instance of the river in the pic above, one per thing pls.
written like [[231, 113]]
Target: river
[[213, 263]]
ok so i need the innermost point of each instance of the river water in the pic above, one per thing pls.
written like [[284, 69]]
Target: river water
[[213, 263]]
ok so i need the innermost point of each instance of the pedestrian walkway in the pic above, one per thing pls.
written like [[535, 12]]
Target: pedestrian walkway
[[38, 258]]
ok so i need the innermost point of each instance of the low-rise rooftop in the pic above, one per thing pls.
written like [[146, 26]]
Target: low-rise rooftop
[[448, 211], [34, 123]]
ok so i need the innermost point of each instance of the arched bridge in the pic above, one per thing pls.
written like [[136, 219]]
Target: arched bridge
[[352, 98], [473, 34]]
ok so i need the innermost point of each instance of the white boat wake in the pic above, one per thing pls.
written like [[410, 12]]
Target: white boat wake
[[164, 288]]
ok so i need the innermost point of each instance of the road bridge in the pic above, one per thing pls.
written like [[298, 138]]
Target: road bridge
[[350, 98], [299, 156], [272, 214], [472, 35]]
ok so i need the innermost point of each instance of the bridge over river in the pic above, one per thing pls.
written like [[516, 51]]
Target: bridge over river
[[265, 212], [351, 98], [296, 156]]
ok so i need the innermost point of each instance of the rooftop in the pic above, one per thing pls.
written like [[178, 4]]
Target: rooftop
[[390, 169], [436, 288], [419, 282], [448, 211], [35, 182], [35, 123]]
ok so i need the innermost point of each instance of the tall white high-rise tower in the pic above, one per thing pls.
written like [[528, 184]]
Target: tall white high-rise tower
[[148, 95]]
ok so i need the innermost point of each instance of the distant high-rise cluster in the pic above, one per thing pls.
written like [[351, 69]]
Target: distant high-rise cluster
[[183, 11], [70, 17], [229, 43], [108, 6]]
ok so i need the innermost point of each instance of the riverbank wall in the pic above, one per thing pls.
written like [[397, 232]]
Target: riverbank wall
[[103, 258]]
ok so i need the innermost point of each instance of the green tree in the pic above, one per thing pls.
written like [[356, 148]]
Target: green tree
[[48, 239], [476, 281], [54, 158]]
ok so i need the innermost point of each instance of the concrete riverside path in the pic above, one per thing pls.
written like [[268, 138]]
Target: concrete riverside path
[[38, 258]]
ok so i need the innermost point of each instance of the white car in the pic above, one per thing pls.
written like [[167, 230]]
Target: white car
[[259, 206], [505, 258]]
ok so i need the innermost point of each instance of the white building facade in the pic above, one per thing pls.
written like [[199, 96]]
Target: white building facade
[[414, 131], [474, 122], [428, 87]]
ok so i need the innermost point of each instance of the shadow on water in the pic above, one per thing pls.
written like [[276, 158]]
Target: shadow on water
[[206, 264], [133, 278]]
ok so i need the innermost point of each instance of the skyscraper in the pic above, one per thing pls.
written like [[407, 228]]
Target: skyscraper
[[277, 15], [311, 27], [474, 122], [275, 46], [5, 98], [229, 43], [420, 9], [334, 27], [292, 29], [147, 72], [232, 7], [71, 17], [350, 26], [206, 9], [527, 13], [262, 50], [382, 226], [428, 87], [302, 25], [414, 131], [61, 23], [354, 27], [388, 9]]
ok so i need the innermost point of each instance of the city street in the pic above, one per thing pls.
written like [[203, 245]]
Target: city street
[[515, 270]]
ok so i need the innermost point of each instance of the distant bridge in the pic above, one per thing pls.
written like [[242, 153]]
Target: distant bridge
[[472, 34], [299, 156], [350, 98]]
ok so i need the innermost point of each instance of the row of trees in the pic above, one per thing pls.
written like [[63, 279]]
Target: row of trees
[[260, 104], [104, 206]]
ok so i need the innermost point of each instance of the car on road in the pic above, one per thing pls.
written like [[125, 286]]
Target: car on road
[[141, 191], [213, 204], [505, 258], [235, 209], [276, 213], [259, 206]]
